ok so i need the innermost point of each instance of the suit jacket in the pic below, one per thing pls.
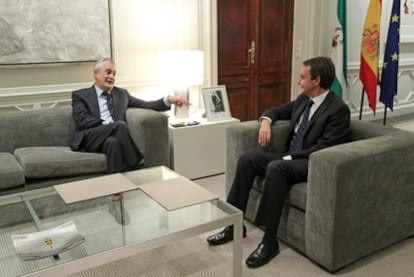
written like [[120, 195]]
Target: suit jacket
[[328, 126], [86, 114]]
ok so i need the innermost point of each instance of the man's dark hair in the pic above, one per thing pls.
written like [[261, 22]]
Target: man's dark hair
[[322, 67]]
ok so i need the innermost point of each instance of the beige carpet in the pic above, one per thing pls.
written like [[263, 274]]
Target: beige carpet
[[192, 257]]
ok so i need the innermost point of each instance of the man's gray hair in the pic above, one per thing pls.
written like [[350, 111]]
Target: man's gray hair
[[100, 61]]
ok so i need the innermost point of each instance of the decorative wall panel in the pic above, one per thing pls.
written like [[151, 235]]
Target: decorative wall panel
[[59, 31]]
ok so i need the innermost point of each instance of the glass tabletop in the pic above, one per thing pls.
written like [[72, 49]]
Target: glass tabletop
[[106, 223]]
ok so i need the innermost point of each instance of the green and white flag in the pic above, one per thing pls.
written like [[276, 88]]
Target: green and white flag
[[338, 54]]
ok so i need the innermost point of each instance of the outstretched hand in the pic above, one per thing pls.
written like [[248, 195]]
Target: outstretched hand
[[178, 101]]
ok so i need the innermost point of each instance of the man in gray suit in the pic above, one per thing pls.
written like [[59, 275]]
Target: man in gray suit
[[99, 114], [318, 119]]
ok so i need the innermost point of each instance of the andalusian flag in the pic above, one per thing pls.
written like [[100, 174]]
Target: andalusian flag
[[389, 75], [338, 54], [368, 72]]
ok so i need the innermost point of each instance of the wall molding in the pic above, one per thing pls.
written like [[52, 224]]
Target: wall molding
[[36, 97], [50, 96], [36, 90], [403, 101]]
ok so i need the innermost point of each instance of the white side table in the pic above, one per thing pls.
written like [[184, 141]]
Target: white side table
[[199, 150]]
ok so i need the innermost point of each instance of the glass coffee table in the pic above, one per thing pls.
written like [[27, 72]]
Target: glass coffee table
[[146, 225]]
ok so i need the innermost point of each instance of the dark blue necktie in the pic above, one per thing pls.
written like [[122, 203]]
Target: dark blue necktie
[[109, 103], [297, 141]]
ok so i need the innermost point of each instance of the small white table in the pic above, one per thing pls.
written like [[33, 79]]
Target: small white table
[[199, 150]]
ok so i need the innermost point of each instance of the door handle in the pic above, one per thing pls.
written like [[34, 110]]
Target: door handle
[[252, 52]]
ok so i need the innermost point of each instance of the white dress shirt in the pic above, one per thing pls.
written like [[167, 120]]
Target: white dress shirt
[[103, 107]]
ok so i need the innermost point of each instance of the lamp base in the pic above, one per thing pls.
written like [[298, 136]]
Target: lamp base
[[183, 111]]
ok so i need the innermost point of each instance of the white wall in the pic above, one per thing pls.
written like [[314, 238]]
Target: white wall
[[317, 21], [141, 28]]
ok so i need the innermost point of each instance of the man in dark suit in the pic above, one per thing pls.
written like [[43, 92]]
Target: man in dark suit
[[318, 119], [99, 115]]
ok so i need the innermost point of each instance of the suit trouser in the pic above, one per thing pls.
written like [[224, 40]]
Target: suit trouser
[[114, 140], [279, 175]]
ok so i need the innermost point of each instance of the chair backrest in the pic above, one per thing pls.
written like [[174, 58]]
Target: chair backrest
[[364, 130], [47, 127]]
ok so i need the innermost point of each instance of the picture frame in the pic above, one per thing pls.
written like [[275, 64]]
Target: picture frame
[[216, 103]]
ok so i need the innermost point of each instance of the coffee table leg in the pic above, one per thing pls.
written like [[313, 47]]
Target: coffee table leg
[[237, 247]]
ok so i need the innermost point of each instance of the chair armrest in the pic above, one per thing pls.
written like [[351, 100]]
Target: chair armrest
[[149, 131], [242, 137], [359, 198]]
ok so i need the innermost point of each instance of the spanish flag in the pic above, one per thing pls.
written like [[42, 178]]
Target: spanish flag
[[368, 72]]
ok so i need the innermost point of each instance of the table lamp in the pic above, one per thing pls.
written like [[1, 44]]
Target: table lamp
[[181, 69]]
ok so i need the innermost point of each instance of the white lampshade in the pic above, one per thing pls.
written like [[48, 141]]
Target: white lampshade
[[181, 68]]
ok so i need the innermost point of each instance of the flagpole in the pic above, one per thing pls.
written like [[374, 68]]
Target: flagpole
[[384, 122], [362, 104]]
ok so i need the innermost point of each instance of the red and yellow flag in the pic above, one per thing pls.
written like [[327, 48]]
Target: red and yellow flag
[[368, 72]]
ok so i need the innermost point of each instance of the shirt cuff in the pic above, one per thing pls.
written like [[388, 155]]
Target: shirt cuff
[[287, 158], [265, 117], [166, 102]]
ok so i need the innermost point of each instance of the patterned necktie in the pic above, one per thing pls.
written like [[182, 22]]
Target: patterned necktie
[[297, 141], [109, 103]]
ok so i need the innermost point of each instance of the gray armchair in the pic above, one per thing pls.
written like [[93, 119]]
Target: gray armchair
[[359, 197], [149, 130]]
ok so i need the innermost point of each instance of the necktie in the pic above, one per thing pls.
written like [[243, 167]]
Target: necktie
[[297, 141], [109, 103]]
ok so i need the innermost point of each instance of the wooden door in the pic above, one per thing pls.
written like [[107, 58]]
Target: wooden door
[[254, 54]]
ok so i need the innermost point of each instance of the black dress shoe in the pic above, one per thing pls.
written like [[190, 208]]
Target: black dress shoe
[[224, 236], [262, 255]]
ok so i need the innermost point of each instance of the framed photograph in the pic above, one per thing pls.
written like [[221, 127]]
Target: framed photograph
[[216, 103]]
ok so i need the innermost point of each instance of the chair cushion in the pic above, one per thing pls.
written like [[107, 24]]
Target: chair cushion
[[297, 194], [58, 161], [11, 173]]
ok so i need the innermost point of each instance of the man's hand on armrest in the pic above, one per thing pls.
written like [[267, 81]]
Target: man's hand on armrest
[[265, 132]]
